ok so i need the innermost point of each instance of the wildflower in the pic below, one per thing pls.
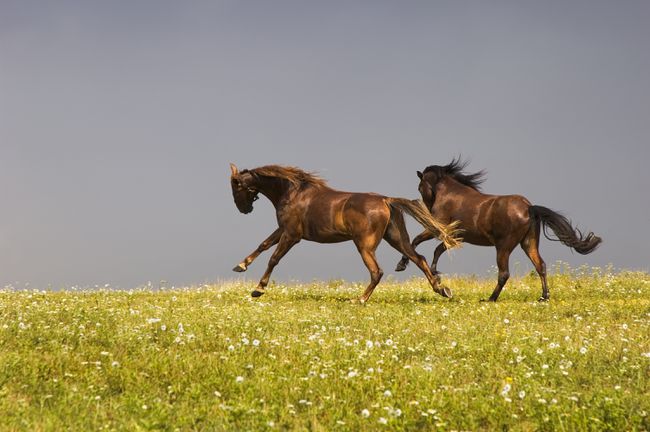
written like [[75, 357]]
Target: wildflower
[[239, 379], [515, 350], [256, 342], [245, 341], [104, 353], [365, 413], [352, 374], [388, 393], [217, 393], [506, 321], [163, 327], [389, 342], [453, 344], [153, 320], [522, 394], [583, 350], [369, 344], [115, 364], [180, 328], [506, 389], [539, 351], [544, 366], [382, 420], [231, 348]]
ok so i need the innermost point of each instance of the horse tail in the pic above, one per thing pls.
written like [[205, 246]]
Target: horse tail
[[448, 234], [565, 232]]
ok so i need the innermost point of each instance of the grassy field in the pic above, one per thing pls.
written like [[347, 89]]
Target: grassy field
[[302, 357]]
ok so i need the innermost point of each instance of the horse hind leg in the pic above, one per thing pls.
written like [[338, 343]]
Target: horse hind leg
[[369, 259], [530, 245], [397, 236]]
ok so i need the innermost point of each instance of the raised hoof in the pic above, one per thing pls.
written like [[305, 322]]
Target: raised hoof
[[445, 292], [257, 293], [543, 299], [239, 268], [400, 267]]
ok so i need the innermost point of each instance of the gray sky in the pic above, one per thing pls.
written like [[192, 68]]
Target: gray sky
[[118, 120]]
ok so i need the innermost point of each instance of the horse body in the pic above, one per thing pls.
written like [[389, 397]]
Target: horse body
[[306, 208], [502, 221]]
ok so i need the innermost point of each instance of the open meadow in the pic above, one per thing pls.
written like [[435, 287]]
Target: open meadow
[[302, 357]]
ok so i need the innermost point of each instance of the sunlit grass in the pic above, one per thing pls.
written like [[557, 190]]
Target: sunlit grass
[[303, 357]]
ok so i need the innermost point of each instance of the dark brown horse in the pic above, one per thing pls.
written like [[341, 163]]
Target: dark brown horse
[[306, 208], [503, 221]]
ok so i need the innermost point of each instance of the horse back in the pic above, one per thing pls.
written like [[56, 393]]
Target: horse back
[[484, 219], [331, 216]]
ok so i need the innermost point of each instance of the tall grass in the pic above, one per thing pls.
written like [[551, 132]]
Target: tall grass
[[304, 357]]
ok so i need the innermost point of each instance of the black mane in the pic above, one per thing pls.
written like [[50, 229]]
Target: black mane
[[455, 170]]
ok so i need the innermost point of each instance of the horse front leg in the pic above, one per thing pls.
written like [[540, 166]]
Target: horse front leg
[[422, 237], [270, 241], [284, 244], [503, 258], [436, 256]]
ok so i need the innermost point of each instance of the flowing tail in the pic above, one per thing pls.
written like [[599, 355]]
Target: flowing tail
[[416, 208], [566, 234]]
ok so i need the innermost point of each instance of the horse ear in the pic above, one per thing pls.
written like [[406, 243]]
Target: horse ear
[[419, 175], [233, 170]]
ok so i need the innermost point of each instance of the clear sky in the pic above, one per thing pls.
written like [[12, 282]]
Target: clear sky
[[118, 120]]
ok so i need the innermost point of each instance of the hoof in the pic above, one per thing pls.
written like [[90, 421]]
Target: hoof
[[360, 301], [488, 300], [400, 267], [239, 268], [543, 299], [445, 292], [257, 293]]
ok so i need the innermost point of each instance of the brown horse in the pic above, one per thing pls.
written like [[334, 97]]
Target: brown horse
[[502, 221], [306, 208]]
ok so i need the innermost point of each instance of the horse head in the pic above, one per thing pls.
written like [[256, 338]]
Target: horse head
[[243, 189]]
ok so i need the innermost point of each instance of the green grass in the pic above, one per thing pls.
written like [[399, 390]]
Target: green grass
[[303, 357]]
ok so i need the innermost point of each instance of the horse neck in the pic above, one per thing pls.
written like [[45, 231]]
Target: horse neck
[[274, 188], [450, 185]]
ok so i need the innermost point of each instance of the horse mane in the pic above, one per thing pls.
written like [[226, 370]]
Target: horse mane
[[454, 169], [294, 175]]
